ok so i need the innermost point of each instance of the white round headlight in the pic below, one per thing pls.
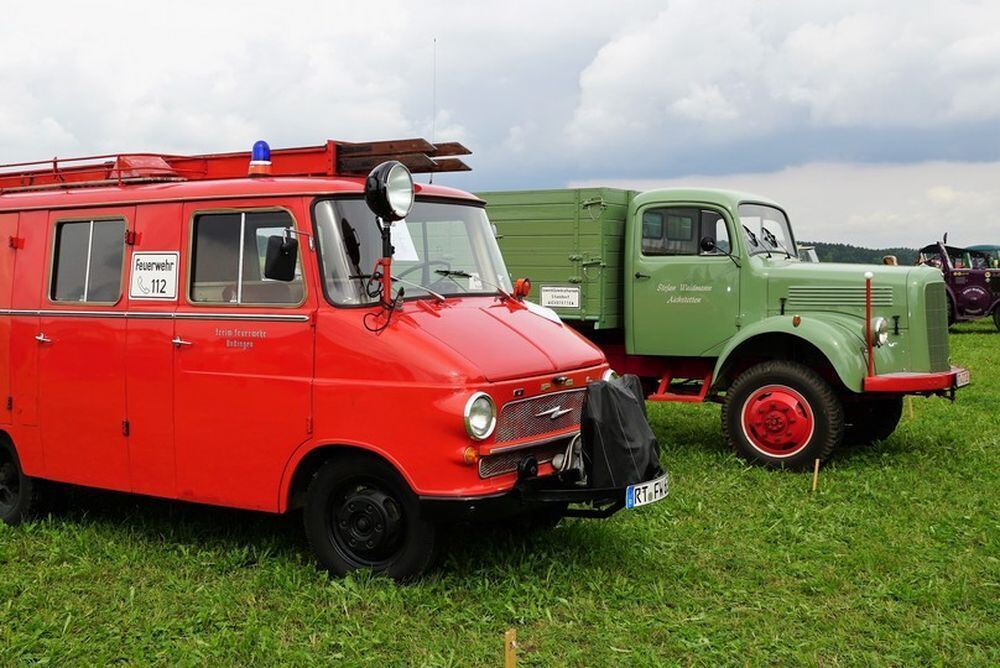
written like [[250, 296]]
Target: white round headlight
[[880, 331], [399, 188], [480, 416], [609, 375]]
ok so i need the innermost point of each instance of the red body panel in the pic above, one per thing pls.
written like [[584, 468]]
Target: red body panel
[[227, 419]]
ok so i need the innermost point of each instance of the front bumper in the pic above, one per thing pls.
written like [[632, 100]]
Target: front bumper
[[527, 495], [943, 382]]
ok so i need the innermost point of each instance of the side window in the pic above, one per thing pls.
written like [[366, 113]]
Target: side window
[[679, 231], [87, 261], [713, 226], [227, 259]]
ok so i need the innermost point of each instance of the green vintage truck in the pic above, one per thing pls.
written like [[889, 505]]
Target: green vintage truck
[[701, 293]]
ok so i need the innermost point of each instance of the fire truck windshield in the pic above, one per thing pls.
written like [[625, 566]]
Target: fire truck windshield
[[440, 248]]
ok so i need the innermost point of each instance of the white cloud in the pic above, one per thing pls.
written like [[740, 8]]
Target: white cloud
[[870, 205], [750, 67]]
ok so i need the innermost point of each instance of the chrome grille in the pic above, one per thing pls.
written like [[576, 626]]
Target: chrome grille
[[936, 308], [525, 418], [506, 462]]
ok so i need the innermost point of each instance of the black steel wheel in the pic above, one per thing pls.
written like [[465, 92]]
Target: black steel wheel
[[361, 514], [17, 491]]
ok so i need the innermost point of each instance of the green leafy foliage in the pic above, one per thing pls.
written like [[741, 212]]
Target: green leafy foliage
[[895, 561]]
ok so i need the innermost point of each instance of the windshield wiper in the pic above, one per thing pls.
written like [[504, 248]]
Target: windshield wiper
[[773, 240], [452, 273], [753, 239], [437, 295]]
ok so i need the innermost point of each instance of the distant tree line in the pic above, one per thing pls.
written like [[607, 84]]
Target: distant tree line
[[859, 254]]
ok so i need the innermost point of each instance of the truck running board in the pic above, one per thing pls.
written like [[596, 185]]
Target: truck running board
[[688, 392]]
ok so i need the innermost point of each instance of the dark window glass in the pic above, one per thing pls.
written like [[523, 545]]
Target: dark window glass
[[216, 274], [73, 279], [679, 231], [106, 252]]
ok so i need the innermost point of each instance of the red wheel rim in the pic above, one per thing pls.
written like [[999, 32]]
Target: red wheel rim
[[778, 421]]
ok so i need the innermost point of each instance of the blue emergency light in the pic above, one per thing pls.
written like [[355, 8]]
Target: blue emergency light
[[260, 159]]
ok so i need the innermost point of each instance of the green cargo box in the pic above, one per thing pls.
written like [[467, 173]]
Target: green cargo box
[[569, 242]]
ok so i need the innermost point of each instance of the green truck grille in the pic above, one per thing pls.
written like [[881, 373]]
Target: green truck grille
[[936, 304]]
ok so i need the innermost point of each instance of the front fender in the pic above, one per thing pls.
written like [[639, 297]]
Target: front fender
[[832, 334]]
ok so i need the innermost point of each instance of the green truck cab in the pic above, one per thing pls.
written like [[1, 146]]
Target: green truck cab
[[701, 293]]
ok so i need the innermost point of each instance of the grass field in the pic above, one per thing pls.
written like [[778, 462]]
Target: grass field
[[895, 561]]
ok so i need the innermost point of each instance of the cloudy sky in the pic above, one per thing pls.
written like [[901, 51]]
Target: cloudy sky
[[875, 122]]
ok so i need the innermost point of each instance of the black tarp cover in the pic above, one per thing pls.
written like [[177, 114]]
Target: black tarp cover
[[619, 447]]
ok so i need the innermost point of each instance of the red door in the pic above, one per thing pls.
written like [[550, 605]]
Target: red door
[[243, 360], [81, 349], [8, 235], [152, 287]]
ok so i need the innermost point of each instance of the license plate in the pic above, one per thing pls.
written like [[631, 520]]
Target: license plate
[[962, 378], [644, 493]]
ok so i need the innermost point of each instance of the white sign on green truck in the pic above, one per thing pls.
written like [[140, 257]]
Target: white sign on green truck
[[702, 294]]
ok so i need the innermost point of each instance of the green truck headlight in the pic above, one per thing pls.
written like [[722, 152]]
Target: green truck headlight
[[880, 331]]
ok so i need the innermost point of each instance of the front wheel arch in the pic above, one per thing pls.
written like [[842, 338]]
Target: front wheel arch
[[829, 350], [305, 464]]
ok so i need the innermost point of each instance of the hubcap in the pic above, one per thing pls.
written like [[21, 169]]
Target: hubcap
[[10, 482], [778, 421], [367, 525]]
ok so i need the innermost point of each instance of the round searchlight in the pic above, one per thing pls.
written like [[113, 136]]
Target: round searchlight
[[389, 190]]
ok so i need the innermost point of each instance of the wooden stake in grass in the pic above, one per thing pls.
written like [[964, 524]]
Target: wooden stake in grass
[[815, 476], [909, 406], [510, 649]]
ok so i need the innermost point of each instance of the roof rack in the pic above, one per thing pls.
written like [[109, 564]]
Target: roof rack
[[334, 158]]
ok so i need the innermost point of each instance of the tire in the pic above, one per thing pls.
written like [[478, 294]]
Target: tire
[[871, 420], [782, 414], [952, 315], [996, 317], [18, 492], [361, 514]]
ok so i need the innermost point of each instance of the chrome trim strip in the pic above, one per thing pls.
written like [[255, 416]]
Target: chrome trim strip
[[158, 315], [520, 446], [543, 394]]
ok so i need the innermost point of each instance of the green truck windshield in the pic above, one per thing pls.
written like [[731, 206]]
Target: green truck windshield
[[435, 239], [766, 230]]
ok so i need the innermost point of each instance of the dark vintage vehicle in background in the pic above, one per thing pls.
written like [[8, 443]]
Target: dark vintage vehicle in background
[[972, 279]]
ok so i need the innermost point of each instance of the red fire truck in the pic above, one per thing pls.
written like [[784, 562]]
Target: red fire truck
[[306, 328]]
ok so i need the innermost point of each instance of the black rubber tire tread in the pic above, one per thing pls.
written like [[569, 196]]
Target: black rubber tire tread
[[29, 491], [418, 550], [996, 317], [827, 410], [872, 420]]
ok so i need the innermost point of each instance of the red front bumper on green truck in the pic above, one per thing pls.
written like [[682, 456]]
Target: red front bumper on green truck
[[701, 293]]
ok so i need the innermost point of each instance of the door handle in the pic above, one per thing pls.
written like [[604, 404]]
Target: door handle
[[178, 342], [639, 274], [41, 338]]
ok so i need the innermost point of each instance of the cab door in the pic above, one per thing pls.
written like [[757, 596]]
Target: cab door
[[8, 239], [81, 350], [154, 286], [685, 294], [243, 357]]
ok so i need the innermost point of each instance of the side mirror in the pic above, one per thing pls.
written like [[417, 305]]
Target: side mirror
[[707, 245], [281, 259], [522, 288]]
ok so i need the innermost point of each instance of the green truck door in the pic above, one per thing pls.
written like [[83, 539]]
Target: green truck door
[[684, 300]]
